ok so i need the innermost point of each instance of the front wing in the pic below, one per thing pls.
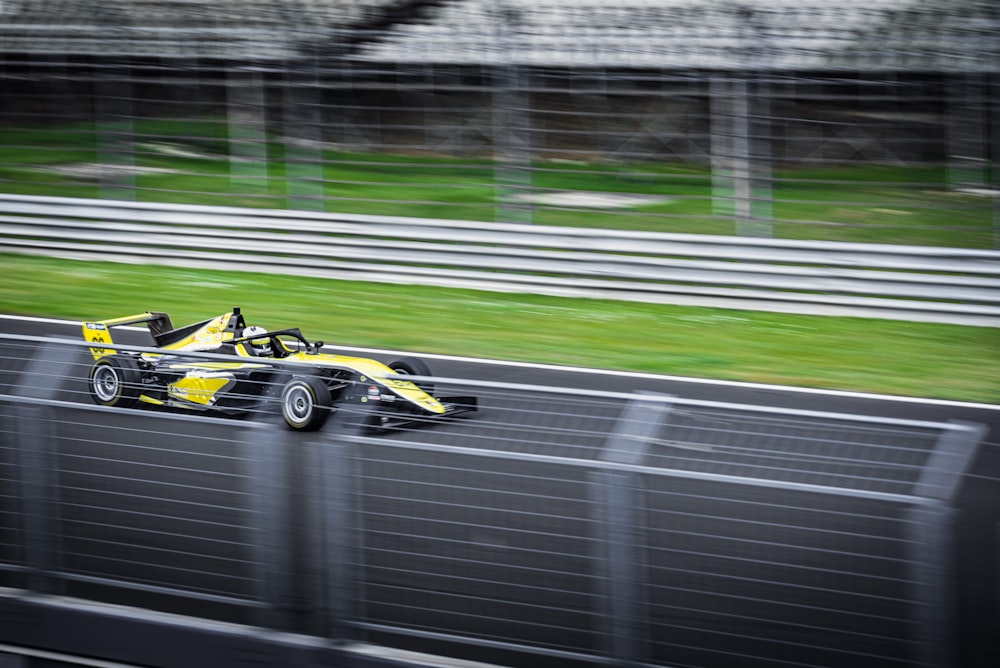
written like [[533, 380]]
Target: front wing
[[385, 420]]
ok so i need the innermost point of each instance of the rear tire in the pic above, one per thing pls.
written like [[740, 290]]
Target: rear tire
[[305, 403], [116, 381]]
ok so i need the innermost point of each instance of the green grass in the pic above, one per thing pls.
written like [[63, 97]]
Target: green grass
[[914, 359], [862, 203], [879, 204]]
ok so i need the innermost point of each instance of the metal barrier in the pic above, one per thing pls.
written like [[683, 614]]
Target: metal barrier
[[870, 280], [556, 527]]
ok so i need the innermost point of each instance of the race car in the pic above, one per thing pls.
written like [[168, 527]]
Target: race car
[[267, 367]]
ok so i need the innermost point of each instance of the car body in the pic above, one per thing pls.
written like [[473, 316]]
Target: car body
[[260, 368]]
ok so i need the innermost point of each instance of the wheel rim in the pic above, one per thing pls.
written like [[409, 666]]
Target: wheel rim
[[106, 383], [298, 404]]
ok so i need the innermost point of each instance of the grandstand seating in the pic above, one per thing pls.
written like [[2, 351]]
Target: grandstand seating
[[259, 29], [770, 34]]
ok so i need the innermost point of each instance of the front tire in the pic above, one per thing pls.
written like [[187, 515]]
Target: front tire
[[116, 381], [411, 366], [305, 403]]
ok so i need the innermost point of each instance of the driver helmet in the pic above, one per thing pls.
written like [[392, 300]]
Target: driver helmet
[[261, 347]]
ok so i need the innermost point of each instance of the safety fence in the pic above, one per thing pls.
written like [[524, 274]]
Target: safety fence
[[870, 280], [554, 526]]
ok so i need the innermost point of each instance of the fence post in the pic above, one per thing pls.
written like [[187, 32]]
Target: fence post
[[304, 183], [966, 131], [337, 493], [619, 506], [931, 543], [39, 489], [41, 379], [115, 136], [265, 451], [246, 123], [513, 152]]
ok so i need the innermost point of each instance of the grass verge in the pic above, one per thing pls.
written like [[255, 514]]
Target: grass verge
[[884, 356]]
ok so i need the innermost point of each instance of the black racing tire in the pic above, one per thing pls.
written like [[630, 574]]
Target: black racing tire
[[305, 403], [411, 366], [116, 380], [374, 423]]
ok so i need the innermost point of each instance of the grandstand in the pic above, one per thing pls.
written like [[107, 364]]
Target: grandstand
[[928, 35], [704, 34], [228, 29]]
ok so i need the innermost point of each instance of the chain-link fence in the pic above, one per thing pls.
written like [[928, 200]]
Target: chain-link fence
[[552, 527], [859, 121]]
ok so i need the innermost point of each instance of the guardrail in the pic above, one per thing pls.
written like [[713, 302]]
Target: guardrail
[[930, 284]]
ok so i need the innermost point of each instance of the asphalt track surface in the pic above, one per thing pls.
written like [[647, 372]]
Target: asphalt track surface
[[978, 520]]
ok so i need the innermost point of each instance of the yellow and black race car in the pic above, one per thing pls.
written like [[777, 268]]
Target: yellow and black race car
[[261, 368]]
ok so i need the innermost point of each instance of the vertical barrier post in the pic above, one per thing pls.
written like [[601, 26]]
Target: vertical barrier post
[[41, 379], [513, 153], [338, 494], [39, 487], [247, 130], [932, 543], [303, 139], [966, 129], [721, 136], [265, 451], [619, 504], [931, 564], [115, 135]]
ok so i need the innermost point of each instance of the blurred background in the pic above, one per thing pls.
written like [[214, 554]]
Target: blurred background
[[861, 120]]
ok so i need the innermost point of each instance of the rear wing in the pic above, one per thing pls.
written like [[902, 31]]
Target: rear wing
[[99, 331]]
